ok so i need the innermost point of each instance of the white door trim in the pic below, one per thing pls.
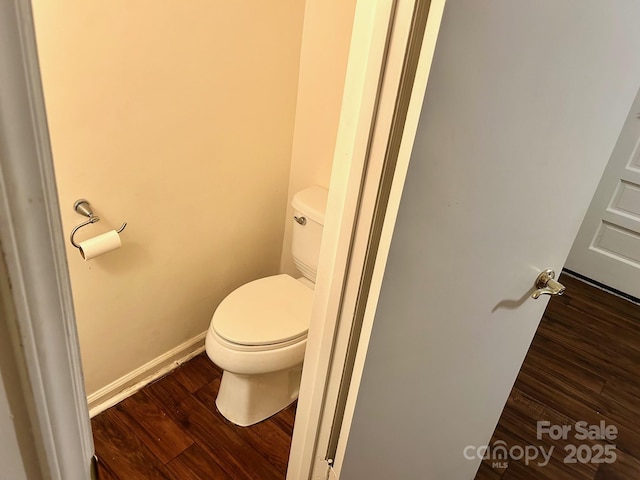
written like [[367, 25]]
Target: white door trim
[[600, 251], [381, 33], [362, 83], [427, 51], [31, 238]]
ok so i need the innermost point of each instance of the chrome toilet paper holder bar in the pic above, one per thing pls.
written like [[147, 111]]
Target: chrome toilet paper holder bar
[[83, 207]]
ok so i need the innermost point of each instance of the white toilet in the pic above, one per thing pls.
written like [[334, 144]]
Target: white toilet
[[258, 333]]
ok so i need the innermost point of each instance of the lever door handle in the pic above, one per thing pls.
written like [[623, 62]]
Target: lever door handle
[[546, 285]]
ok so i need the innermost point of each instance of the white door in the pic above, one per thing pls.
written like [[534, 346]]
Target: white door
[[607, 248], [523, 107]]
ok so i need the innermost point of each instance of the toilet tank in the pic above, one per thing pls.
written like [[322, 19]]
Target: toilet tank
[[309, 206]]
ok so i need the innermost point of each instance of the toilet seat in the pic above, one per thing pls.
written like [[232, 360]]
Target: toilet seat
[[254, 348], [268, 313]]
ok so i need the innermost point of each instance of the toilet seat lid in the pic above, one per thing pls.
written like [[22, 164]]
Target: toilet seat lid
[[267, 311]]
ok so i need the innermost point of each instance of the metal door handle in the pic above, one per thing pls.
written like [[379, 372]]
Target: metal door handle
[[546, 284]]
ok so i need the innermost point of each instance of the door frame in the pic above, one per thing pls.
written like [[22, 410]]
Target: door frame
[[390, 57], [32, 236], [586, 259]]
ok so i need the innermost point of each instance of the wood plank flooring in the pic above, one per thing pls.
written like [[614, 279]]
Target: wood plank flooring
[[171, 430], [583, 365]]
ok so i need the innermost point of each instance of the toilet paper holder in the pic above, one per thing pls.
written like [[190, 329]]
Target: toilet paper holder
[[83, 207]]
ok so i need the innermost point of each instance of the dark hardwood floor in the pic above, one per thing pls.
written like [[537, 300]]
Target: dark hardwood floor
[[583, 365], [171, 430]]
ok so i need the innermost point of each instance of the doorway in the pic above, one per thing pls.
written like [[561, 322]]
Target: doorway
[[580, 373], [523, 282], [33, 169], [582, 363]]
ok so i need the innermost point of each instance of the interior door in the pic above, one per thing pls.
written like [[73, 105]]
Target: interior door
[[607, 248], [523, 107]]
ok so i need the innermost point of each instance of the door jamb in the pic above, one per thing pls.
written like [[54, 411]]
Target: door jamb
[[414, 99], [372, 21], [380, 47], [31, 236]]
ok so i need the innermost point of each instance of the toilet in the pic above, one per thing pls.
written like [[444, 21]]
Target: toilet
[[258, 333]]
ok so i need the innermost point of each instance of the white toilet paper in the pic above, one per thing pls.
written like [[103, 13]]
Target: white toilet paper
[[100, 245]]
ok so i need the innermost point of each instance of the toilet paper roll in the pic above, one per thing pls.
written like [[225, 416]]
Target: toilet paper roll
[[96, 246]]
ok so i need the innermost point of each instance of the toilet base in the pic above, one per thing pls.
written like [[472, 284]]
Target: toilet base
[[249, 399]]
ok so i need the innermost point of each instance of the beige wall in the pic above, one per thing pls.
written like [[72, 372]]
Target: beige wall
[[323, 63], [177, 118]]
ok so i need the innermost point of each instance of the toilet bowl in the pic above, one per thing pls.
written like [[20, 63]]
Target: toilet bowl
[[258, 333], [258, 337]]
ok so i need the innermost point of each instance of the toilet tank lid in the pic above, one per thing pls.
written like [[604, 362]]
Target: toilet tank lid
[[311, 202]]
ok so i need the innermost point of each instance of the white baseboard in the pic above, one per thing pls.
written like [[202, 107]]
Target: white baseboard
[[130, 383]]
